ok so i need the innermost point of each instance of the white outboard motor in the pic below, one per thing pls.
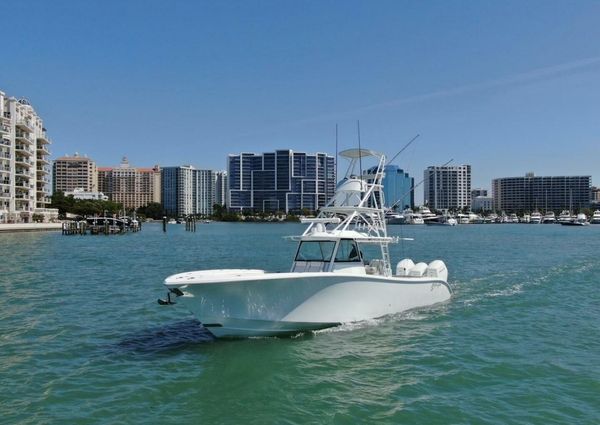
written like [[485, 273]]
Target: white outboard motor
[[418, 270], [404, 266], [437, 269]]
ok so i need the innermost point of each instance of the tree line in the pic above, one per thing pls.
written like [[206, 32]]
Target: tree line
[[154, 210]]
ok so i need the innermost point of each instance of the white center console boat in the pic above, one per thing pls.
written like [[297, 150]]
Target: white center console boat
[[329, 283]]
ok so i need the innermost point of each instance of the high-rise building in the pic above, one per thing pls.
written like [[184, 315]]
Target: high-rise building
[[398, 188], [187, 190], [221, 187], [595, 196], [478, 192], [133, 187], [74, 172], [24, 163], [283, 180], [447, 187], [482, 203], [551, 193]]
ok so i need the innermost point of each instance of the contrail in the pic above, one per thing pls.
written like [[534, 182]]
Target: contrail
[[529, 76], [521, 78]]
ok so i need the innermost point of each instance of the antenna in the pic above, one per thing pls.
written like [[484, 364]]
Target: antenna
[[402, 150], [359, 149], [416, 185]]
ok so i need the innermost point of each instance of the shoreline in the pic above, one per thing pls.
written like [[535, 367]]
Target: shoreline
[[30, 227]]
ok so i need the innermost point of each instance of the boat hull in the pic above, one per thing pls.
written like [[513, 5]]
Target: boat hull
[[279, 304]]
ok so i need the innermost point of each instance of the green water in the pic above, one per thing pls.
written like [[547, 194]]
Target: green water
[[83, 340]]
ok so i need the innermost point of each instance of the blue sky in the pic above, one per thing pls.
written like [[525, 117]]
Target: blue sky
[[508, 87]]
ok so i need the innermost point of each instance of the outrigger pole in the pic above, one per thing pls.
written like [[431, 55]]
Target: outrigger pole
[[402, 150], [359, 150]]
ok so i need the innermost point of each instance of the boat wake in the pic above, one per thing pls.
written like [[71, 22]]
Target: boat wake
[[414, 315], [512, 290]]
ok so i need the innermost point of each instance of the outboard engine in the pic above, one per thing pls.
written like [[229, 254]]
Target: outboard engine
[[404, 266], [418, 270], [437, 269]]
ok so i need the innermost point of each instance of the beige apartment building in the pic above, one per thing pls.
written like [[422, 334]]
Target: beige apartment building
[[74, 172], [134, 187], [24, 163]]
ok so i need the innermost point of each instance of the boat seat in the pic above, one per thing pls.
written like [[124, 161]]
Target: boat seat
[[374, 267]]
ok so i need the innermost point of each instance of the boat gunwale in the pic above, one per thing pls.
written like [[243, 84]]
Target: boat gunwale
[[229, 279]]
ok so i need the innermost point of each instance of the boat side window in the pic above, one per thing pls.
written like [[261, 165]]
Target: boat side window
[[347, 251], [315, 251]]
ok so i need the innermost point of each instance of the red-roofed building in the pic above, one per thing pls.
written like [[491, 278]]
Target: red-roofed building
[[133, 187]]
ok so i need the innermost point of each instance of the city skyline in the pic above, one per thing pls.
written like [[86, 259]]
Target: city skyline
[[283, 76]]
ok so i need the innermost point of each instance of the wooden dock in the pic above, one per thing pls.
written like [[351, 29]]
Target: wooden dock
[[101, 226]]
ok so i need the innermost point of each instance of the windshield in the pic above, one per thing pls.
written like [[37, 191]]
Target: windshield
[[315, 251], [347, 251]]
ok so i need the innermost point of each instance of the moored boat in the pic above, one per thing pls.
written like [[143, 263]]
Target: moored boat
[[394, 217], [536, 218], [579, 220], [549, 218], [565, 216]]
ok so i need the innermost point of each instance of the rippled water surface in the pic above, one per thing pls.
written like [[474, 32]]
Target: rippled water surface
[[83, 340]]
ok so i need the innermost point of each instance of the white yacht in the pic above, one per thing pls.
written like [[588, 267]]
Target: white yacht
[[442, 220], [595, 217], [536, 218], [492, 218], [412, 217], [329, 283], [394, 217], [549, 218], [427, 215], [565, 216], [579, 220], [462, 218]]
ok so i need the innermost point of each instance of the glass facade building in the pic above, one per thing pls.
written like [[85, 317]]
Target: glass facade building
[[398, 188], [283, 180]]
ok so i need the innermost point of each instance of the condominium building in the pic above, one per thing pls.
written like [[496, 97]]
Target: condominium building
[[187, 190], [478, 192], [482, 203], [24, 163], [595, 197], [221, 187], [132, 187], [447, 187], [74, 172], [283, 180], [549, 193]]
